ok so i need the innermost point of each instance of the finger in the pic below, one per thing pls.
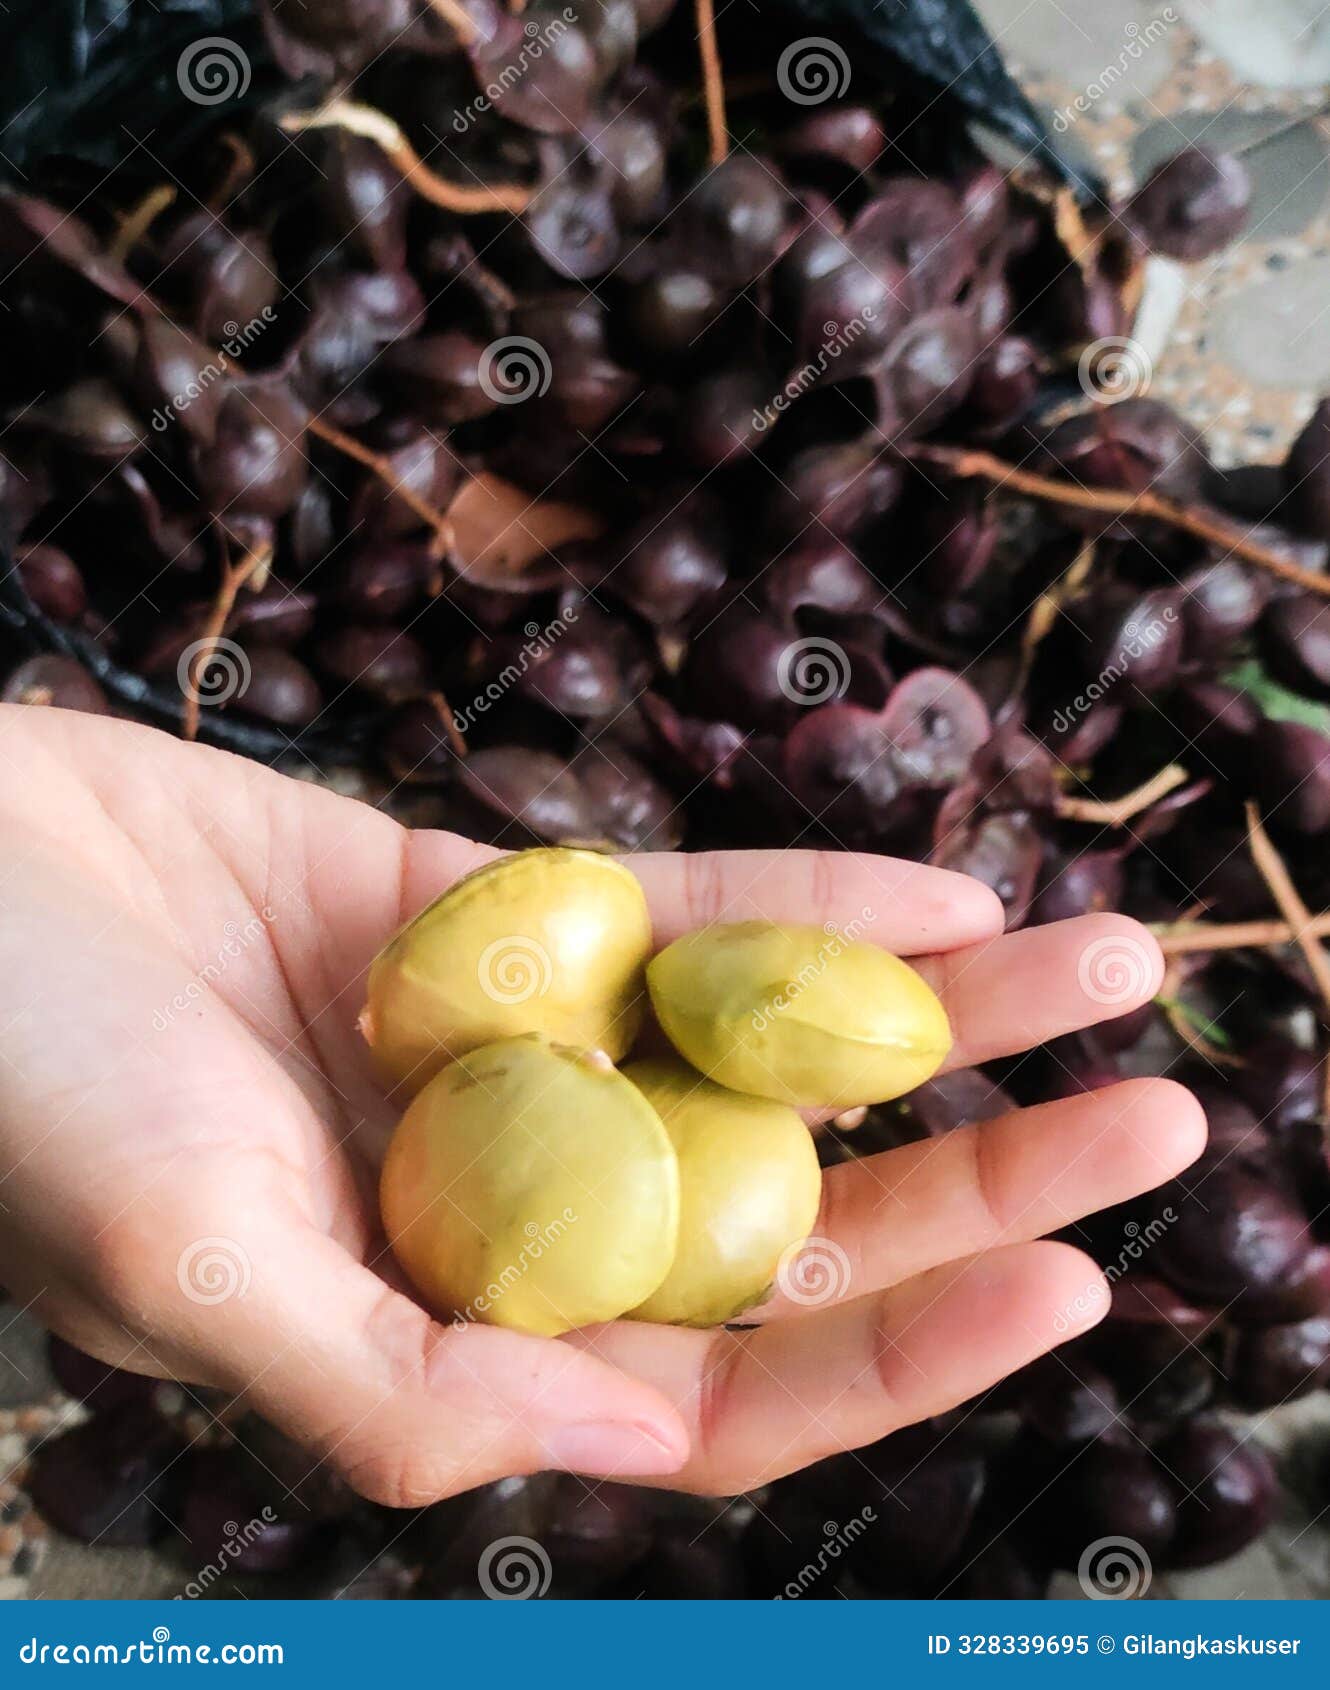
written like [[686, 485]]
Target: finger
[[1022, 989], [410, 1410], [907, 907], [1003, 1182], [761, 1403]]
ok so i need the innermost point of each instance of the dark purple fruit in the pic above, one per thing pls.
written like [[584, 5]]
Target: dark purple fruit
[[60, 681], [1227, 1489], [53, 582], [280, 688], [380, 661], [1192, 205], [107, 1482]]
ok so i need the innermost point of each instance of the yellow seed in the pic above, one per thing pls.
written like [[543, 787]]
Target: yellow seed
[[798, 1014], [749, 1189], [547, 941], [534, 1187]]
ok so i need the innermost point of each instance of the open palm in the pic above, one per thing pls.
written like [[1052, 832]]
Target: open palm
[[189, 1134]]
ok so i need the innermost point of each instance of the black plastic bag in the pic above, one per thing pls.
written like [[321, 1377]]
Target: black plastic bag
[[99, 79]]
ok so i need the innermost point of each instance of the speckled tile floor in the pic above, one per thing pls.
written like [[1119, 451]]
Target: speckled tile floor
[[1127, 84]]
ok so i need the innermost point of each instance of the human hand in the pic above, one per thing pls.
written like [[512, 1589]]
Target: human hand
[[190, 1130]]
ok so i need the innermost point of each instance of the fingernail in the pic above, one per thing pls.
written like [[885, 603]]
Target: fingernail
[[613, 1449]]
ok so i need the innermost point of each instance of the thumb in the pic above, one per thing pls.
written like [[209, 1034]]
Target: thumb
[[409, 1410]]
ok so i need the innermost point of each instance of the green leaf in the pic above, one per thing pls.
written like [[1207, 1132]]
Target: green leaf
[[1277, 702], [1209, 1030]]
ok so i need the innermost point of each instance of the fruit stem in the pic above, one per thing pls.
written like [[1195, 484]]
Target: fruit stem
[[452, 13], [961, 461], [253, 567], [1179, 938], [443, 529], [139, 219], [1274, 871], [1117, 812], [374, 125], [713, 80]]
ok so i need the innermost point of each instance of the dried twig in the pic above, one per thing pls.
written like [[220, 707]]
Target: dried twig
[[138, 220], [1274, 871], [252, 570], [238, 172], [375, 461], [713, 80], [1179, 938], [961, 461], [453, 13], [438, 702], [1117, 812], [1047, 607], [373, 125]]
